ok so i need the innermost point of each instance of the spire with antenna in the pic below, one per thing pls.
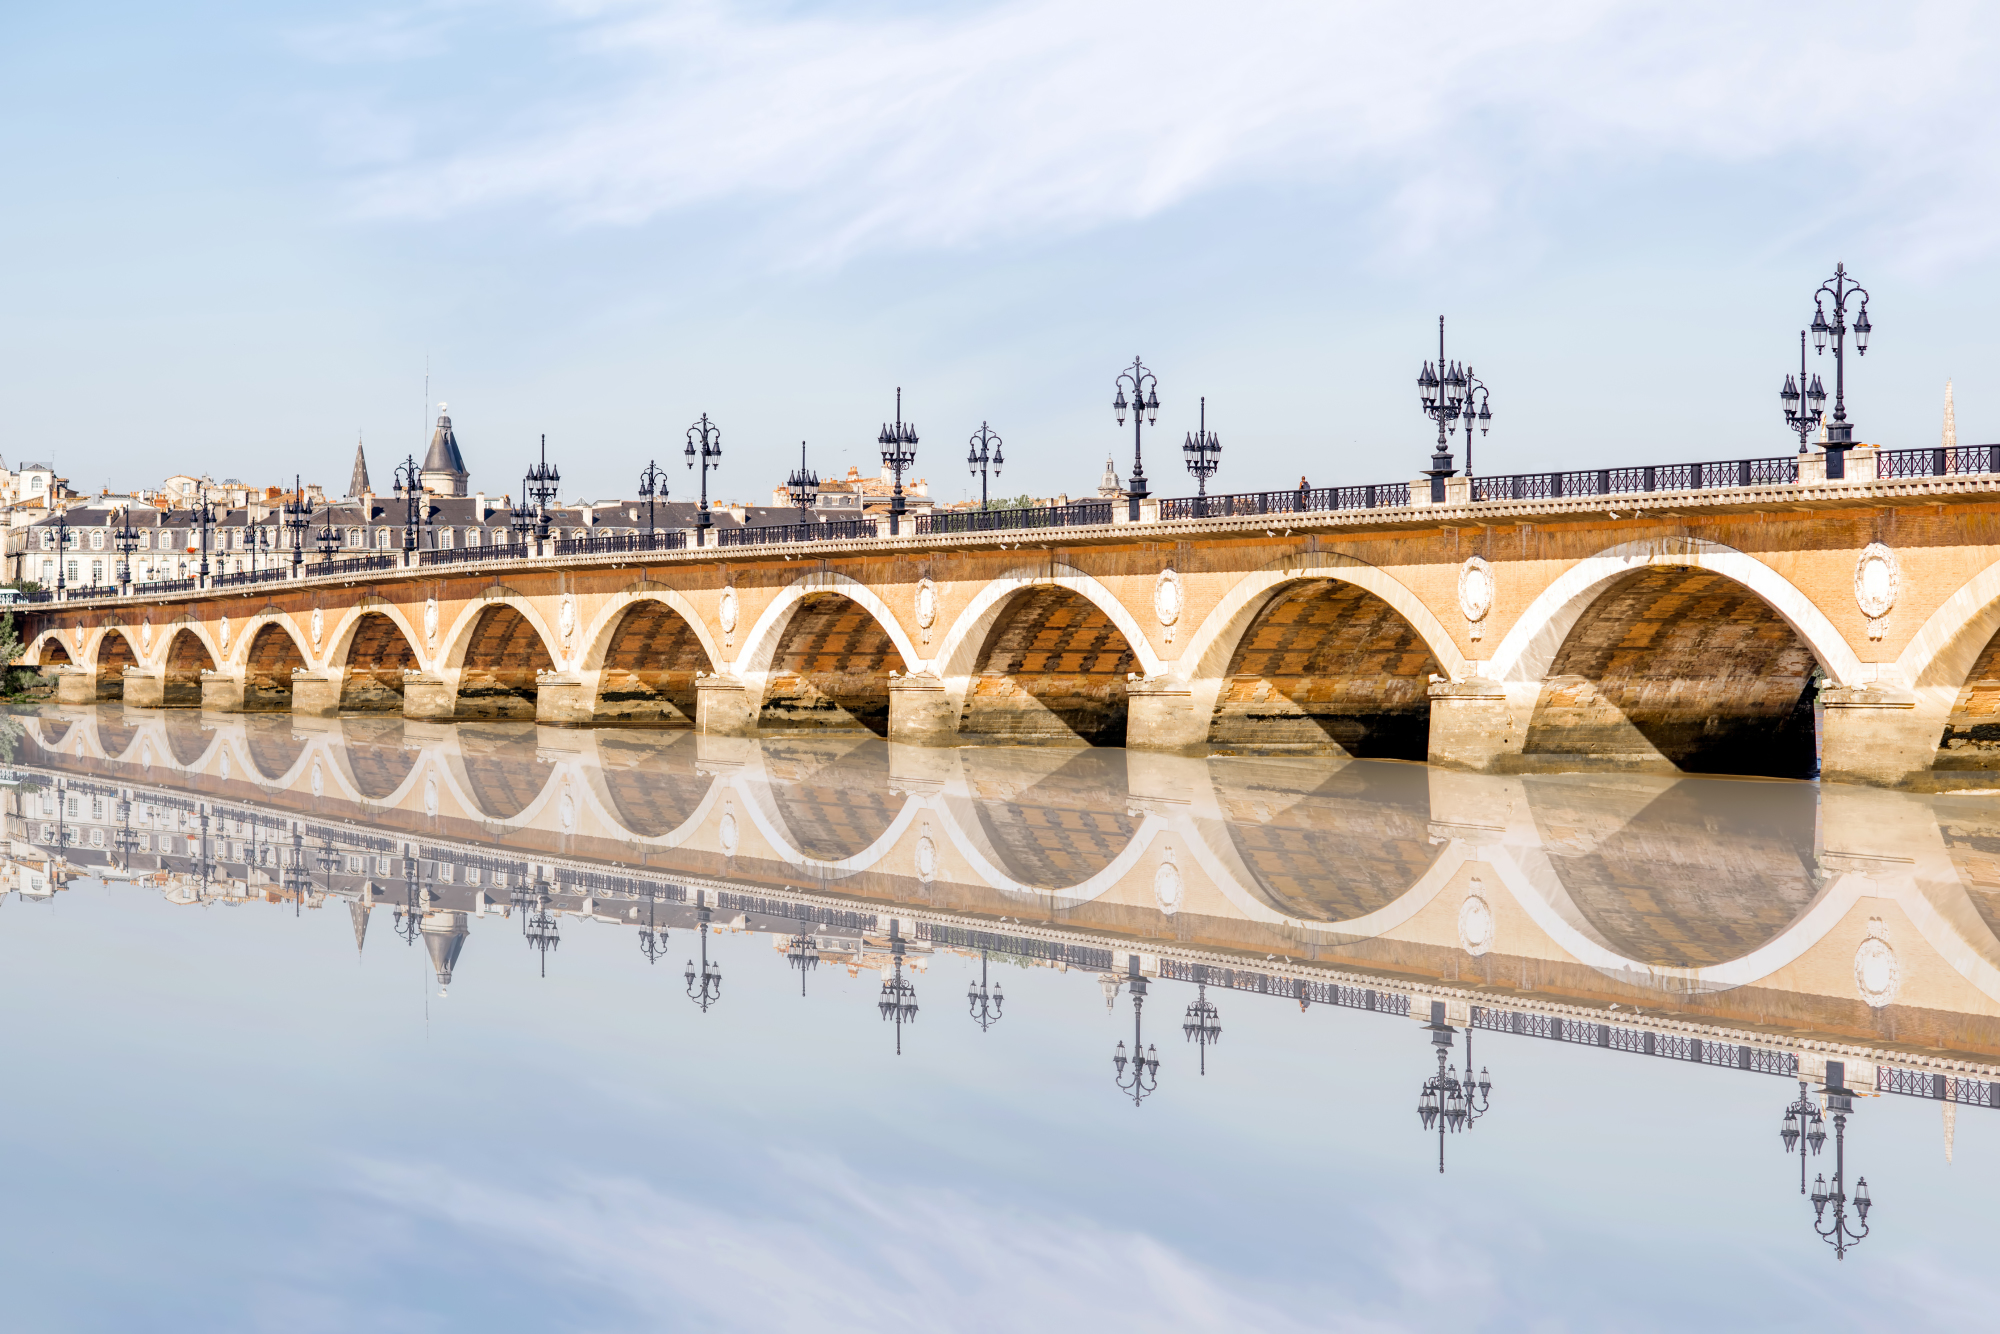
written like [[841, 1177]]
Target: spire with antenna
[[357, 484]]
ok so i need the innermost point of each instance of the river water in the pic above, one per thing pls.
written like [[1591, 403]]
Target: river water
[[348, 1024]]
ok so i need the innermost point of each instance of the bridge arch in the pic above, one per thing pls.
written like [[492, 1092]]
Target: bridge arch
[[645, 650], [48, 650], [114, 653], [497, 647], [1319, 651], [1953, 666], [822, 653], [185, 654], [1675, 654], [270, 651], [371, 647], [1042, 653]]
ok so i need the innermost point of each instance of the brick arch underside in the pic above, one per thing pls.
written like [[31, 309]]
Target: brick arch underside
[[53, 653], [377, 657], [267, 671], [187, 659], [113, 657], [1328, 666], [1354, 844], [649, 669], [1053, 668], [1678, 667], [1972, 736], [831, 669], [501, 659]]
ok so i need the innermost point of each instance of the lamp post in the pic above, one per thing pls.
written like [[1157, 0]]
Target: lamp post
[[1203, 1025], [329, 537], [543, 483], [1804, 400], [1203, 452], [1835, 1231], [802, 487], [983, 452], [704, 446], [1445, 1102], [704, 988], [1839, 290], [298, 518], [899, 450], [521, 518], [653, 486], [126, 539], [1144, 1060], [985, 1006], [1145, 406], [409, 917], [63, 543], [1448, 393], [899, 998], [652, 939], [802, 953], [1804, 1130]]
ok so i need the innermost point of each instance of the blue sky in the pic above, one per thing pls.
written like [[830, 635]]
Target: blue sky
[[236, 232]]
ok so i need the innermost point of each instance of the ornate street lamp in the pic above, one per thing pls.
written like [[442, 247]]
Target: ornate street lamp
[[704, 988], [802, 953], [521, 517], [653, 486], [1145, 406], [1839, 290], [899, 998], [985, 1006], [328, 537], [63, 543], [652, 939], [1448, 394], [1835, 1231], [126, 539], [410, 487], [983, 452], [543, 928], [704, 446], [1203, 452], [123, 840], [1445, 1102], [1144, 1060], [410, 917], [1804, 1130], [1203, 1025], [899, 451], [803, 487], [203, 514], [1804, 400], [542, 484], [298, 518]]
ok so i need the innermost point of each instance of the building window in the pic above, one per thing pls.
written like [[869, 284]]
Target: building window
[[48, 571], [444, 539], [48, 539], [145, 541], [472, 537], [69, 571], [354, 537], [36, 483], [97, 540], [381, 539], [97, 572]]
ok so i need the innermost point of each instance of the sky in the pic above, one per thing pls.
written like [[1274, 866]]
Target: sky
[[239, 237]]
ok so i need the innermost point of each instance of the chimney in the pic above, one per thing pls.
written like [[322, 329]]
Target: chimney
[[479, 506]]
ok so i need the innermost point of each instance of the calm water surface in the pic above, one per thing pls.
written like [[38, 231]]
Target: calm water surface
[[241, 1099]]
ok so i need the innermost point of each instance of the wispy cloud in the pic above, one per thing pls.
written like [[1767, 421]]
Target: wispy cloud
[[1026, 117]]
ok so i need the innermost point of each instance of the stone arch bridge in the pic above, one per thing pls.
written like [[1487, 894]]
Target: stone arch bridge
[[1850, 628]]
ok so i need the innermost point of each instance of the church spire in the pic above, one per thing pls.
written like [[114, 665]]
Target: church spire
[[359, 910], [357, 485]]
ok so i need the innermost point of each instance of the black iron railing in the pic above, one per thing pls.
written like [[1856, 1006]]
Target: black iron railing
[[40, 595], [660, 539], [833, 530], [1943, 1088], [352, 565], [1020, 947], [1076, 514], [91, 591], [1939, 462], [1298, 500], [1780, 470], [460, 555], [1291, 988], [1640, 1041], [252, 577]]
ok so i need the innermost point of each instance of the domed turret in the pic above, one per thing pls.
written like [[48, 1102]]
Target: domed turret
[[444, 937], [444, 471]]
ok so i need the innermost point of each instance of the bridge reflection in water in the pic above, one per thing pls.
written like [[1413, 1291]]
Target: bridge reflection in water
[[1762, 927]]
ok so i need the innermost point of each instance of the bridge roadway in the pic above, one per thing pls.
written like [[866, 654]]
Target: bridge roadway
[[1830, 921], [1765, 629]]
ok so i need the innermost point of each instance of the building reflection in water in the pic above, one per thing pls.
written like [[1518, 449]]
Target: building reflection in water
[[1843, 940]]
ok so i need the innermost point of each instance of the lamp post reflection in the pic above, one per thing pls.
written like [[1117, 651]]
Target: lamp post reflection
[[1804, 1130], [1835, 1231], [1446, 1103], [1144, 1061], [704, 988], [899, 998], [802, 953], [984, 1003], [409, 917], [543, 928], [652, 938], [1203, 1025]]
